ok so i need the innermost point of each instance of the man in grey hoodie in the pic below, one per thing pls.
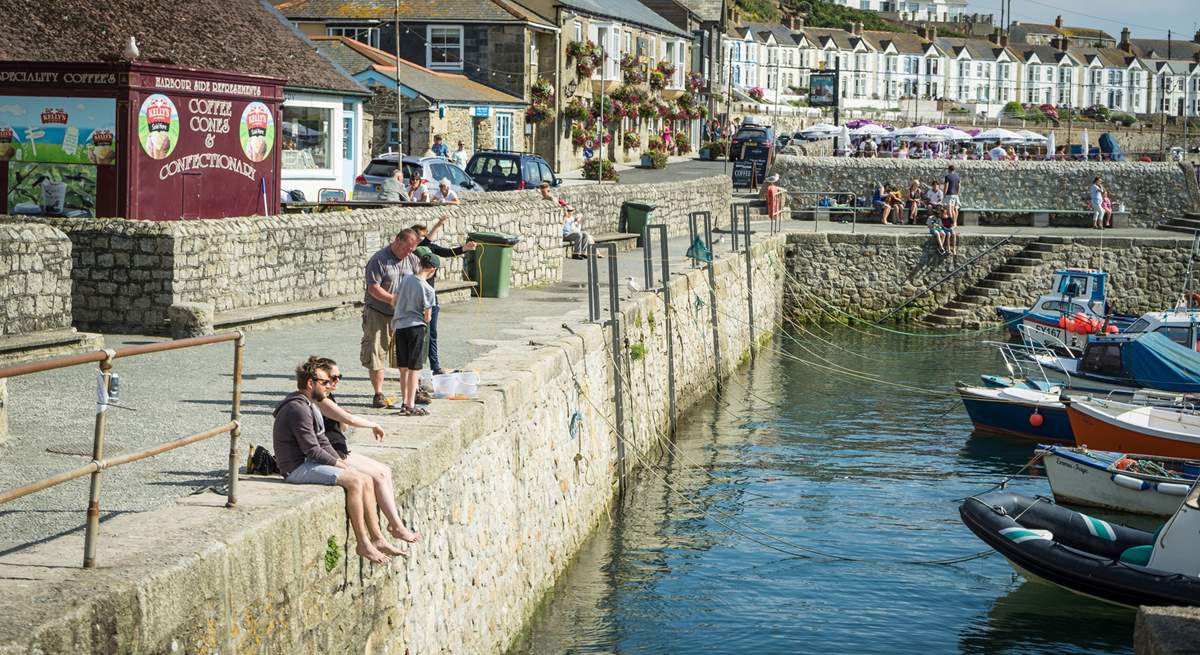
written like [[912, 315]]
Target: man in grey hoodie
[[305, 456]]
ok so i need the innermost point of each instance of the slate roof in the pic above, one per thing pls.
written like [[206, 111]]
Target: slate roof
[[460, 11], [979, 49], [1157, 48], [708, 11], [842, 39], [1085, 33], [357, 57], [1046, 54], [905, 43], [1110, 57], [629, 11], [783, 36], [253, 37]]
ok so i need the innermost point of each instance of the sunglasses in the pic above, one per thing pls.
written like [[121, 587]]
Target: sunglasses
[[324, 382]]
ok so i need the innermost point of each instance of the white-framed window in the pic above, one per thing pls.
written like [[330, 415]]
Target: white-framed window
[[504, 128], [367, 35], [680, 63], [444, 47], [964, 70], [393, 133], [933, 66], [890, 62], [578, 31], [627, 44], [307, 138], [1049, 73]]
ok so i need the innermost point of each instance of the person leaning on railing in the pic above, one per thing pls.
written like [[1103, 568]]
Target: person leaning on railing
[[393, 187]]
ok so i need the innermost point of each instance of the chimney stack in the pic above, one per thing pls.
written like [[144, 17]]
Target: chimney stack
[[1125, 44], [1063, 44], [1058, 21], [849, 27], [1196, 37], [792, 23], [1003, 39], [994, 37], [858, 28]]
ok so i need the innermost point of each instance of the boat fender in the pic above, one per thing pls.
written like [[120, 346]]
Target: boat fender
[[1172, 488], [1130, 482]]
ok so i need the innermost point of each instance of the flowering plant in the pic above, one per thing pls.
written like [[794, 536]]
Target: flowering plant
[[631, 141], [656, 80], [757, 93], [695, 82], [682, 144], [666, 68], [586, 55], [537, 114], [575, 110]]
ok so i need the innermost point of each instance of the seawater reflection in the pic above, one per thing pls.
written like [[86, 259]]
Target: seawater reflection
[[847, 467]]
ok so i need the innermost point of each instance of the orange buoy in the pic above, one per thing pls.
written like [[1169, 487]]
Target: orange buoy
[[1036, 419]]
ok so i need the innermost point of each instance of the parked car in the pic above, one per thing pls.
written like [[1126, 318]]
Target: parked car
[[751, 135], [783, 140], [430, 169], [505, 170]]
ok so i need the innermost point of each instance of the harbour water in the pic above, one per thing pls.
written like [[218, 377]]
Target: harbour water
[[790, 513]]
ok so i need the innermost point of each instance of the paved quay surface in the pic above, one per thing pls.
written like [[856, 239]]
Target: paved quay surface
[[169, 395]]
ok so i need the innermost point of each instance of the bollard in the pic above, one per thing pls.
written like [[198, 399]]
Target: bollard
[[92, 532]]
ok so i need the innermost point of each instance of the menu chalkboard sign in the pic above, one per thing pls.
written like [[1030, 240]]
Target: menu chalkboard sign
[[743, 170]]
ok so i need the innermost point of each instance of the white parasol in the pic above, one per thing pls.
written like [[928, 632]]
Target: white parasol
[[844, 140], [871, 130], [1083, 142], [1050, 146], [955, 134], [820, 131], [919, 133], [999, 134]]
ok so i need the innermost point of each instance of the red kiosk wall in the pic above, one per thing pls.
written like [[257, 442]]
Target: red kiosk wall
[[193, 156]]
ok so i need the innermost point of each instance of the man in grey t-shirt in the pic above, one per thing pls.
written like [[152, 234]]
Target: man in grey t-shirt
[[384, 271]]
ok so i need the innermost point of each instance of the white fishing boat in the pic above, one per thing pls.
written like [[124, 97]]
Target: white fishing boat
[[1139, 484]]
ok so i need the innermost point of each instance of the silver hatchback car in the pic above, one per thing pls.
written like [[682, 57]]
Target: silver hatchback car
[[430, 169]]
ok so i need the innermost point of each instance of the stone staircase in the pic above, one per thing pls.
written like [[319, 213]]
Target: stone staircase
[[1188, 224], [963, 310]]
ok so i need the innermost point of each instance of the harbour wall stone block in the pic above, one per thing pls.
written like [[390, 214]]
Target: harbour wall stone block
[[870, 275], [1151, 192], [35, 279], [504, 490], [127, 274]]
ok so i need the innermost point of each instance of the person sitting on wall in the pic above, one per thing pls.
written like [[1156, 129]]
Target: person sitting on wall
[[1106, 205], [914, 201], [393, 187], [950, 232], [893, 202], [305, 456], [934, 197], [544, 190], [439, 149], [573, 232], [416, 190], [445, 195], [934, 222], [879, 200], [426, 234], [336, 420]]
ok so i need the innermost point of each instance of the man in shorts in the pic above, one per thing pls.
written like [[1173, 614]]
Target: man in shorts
[[953, 186], [414, 304], [305, 456], [383, 274]]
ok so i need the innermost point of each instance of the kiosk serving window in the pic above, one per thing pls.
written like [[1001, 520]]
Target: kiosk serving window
[[306, 138]]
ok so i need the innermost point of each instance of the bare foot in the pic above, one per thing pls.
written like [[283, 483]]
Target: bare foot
[[387, 548], [370, 553], [404, 534]]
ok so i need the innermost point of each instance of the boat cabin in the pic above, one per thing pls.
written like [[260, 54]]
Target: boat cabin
[[1180, 325]]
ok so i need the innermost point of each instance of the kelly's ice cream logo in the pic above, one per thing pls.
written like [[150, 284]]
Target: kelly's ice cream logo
[[54, 116], [158, 126], [102, 151], [257, 131], [6, 146]]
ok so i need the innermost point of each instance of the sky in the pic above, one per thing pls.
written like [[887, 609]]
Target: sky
[[1145, 18]]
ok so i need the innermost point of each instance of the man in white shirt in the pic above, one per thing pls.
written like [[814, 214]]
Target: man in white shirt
[[934, 197], [459, 157], [445, 195], [997, 153]]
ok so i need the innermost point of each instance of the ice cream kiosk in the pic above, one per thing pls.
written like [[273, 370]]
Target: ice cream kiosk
[[137, 140]]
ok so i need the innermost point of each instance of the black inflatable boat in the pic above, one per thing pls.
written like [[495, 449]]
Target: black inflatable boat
[[1080, 553]]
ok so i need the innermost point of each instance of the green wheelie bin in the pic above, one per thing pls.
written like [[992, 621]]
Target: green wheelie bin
[[490, 267], [637, 214]]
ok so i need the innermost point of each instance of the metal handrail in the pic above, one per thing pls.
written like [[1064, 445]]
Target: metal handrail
[[104, 384], [944, 278]]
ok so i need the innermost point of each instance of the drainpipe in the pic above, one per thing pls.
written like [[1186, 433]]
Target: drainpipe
[[558, 91]]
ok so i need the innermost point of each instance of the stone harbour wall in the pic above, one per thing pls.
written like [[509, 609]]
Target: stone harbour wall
[[504, 490], [35, 279], [126, 274], [869, 275], [1151, 192]]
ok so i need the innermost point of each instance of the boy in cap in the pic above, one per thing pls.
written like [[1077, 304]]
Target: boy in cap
[[412, 312]]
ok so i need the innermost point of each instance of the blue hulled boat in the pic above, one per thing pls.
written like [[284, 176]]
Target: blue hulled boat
[[1017, 411], [1075, 291]]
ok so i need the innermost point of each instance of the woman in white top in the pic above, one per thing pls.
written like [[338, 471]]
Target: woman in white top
[[573, 232], [445, 195]]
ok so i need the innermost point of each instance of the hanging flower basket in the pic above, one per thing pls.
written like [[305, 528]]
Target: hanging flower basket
[[647, 110], [542, 93], [666, 68], [575, 110], [586, 55], [538, 114], [695, 82], [656, 80], [631, 141]]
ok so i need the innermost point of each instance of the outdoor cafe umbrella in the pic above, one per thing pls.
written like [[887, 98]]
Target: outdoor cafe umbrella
[[919, 133], [999, 134], [1050, 146], [870, 129], [844, 140], [1031, 137], [820, 131], [1083, 142], [955, 134]]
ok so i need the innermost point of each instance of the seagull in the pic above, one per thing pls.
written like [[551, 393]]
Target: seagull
[[632, 284], [131, 49]]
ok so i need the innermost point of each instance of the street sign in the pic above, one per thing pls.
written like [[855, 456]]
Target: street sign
[[588, 152], [481, 112]]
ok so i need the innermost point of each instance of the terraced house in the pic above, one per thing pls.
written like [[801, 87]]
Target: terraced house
[[621, 56], [497, 43]]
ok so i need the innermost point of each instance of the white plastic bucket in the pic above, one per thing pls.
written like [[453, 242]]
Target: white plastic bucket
[[444, 385]]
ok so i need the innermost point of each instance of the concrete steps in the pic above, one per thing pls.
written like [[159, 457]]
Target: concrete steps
[[1189, 223], [962, 310]]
